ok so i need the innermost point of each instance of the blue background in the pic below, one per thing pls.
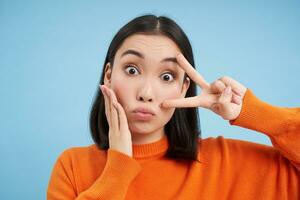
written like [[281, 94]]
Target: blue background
[[52, 53]]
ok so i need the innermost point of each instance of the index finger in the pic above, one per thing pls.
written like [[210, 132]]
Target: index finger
[[192, 72]]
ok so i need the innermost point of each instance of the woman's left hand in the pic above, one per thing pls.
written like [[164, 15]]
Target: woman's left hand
[[224, 96]]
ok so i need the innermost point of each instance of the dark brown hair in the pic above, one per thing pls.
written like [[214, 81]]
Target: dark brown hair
[[183, 129]]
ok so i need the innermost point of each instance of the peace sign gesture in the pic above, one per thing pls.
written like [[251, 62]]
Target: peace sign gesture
[[224, 96]]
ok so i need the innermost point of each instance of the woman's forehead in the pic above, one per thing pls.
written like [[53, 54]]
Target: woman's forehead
[[158, 46], [151, 48]]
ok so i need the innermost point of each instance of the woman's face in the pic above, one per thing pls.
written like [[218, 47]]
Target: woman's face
[[142, 77]]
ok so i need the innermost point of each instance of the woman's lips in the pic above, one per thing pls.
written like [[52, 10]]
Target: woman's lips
[[143, 116]]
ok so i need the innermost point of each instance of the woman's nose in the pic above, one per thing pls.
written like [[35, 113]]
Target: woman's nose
[[146, 93], [142, 98]]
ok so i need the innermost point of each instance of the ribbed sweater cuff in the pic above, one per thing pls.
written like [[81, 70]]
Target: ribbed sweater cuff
[[119, 171], [121, 164], [120, 167], [262, 117]]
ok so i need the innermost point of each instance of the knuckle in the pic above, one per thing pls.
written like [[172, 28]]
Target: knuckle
[[225, 117], [221, 100], [220, 84], [215, 83], [224, 79], [222, 103]]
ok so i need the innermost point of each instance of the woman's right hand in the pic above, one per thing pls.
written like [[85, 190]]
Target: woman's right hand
[[119, 134]]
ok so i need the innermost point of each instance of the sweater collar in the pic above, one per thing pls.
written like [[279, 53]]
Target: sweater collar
[[153, 149]]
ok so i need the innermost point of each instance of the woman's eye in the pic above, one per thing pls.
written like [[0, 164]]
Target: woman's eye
[[130, 69], [168, 77]]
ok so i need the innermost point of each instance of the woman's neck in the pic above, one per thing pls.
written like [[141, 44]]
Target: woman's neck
[[145, 138]]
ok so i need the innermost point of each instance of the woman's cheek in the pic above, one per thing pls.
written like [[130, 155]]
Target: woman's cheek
[[171, 93], [121, 90]]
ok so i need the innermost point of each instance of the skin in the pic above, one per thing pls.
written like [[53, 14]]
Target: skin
[[147, 88], [148, 85]]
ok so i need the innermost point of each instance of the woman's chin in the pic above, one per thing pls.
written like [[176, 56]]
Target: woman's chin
[[140, 128]]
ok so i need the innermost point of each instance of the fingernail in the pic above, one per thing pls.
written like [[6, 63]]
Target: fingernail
[[238, 92], [228, 90], [179, 55], [103, 90], [164, 105]]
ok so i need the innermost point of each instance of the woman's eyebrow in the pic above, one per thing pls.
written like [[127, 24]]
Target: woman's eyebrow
[[139, 54]]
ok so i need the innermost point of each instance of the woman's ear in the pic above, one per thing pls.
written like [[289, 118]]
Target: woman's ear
[[107, 74], [185, 87]]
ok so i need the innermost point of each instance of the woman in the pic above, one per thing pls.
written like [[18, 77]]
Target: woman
[[144, 123]]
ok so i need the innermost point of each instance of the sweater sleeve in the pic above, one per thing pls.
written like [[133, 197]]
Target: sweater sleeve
[[120, 169], [281, 124]]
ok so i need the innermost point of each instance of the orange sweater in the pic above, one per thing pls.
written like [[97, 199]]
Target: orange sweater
[[229, 168]]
